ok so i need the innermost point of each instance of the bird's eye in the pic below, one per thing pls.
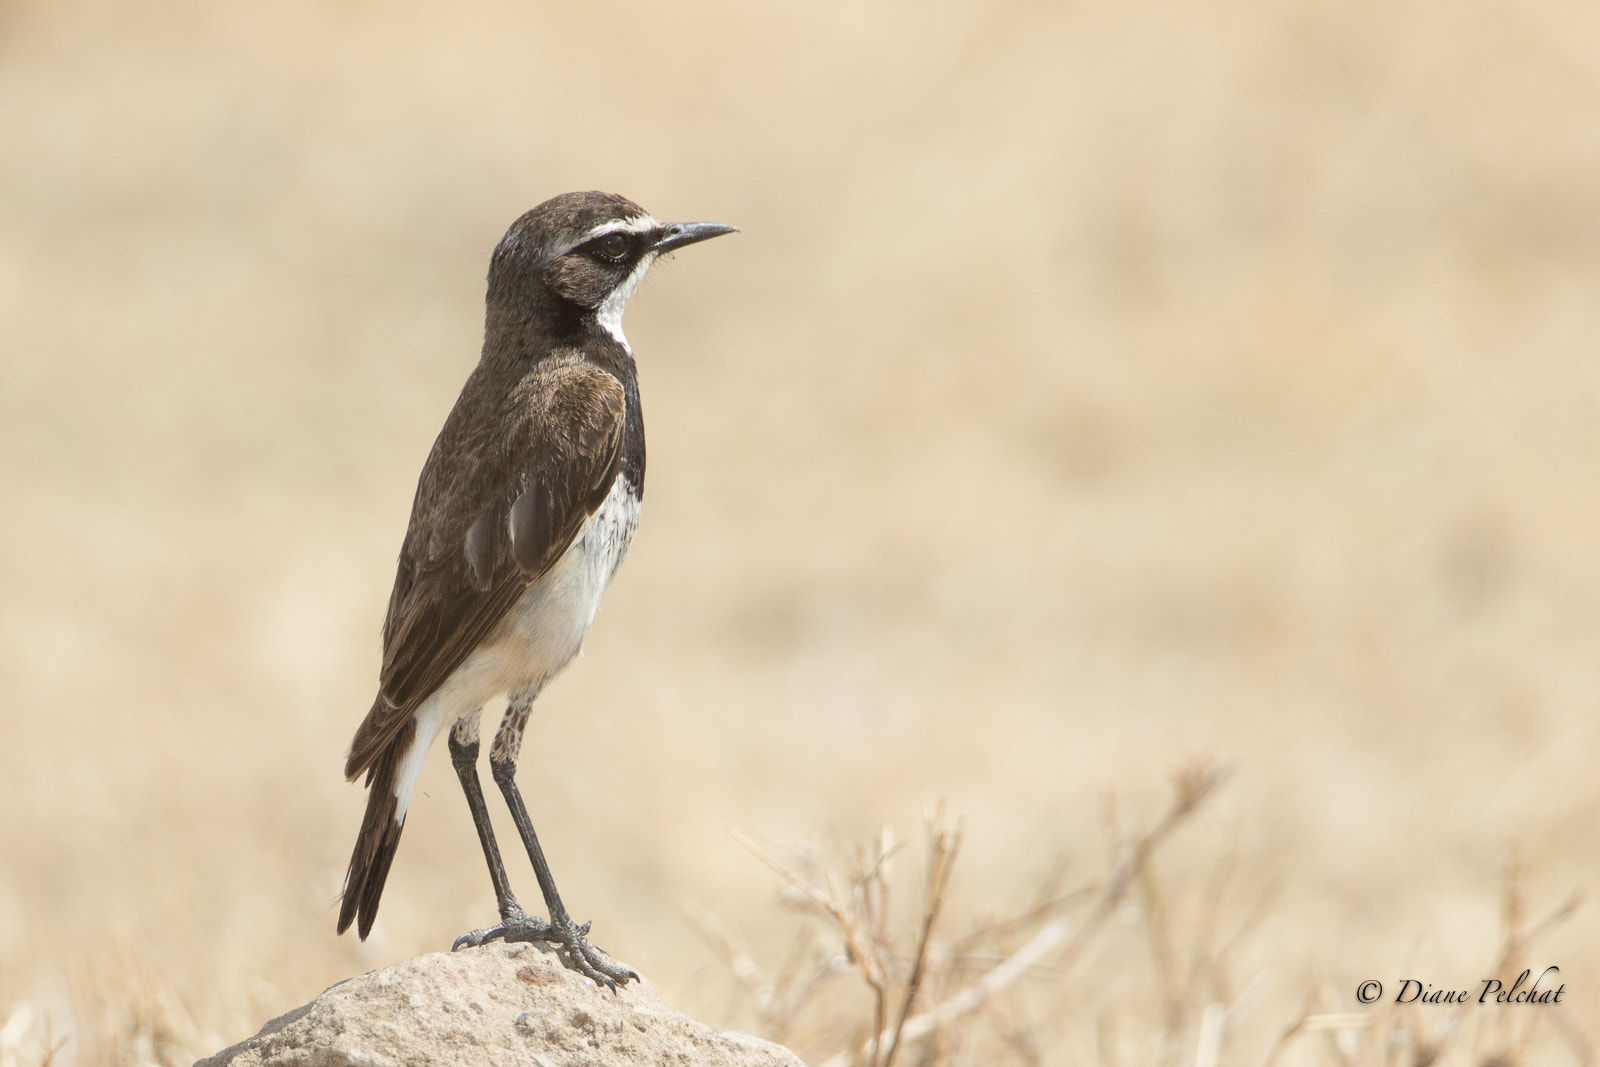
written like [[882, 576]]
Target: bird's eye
[[612, 246]]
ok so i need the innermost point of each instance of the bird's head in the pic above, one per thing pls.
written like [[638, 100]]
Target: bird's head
[[580, 255]]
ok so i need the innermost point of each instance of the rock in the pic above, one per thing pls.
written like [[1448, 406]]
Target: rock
[[499, 1004]]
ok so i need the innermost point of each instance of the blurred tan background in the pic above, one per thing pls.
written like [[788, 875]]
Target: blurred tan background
[[1092, 387]]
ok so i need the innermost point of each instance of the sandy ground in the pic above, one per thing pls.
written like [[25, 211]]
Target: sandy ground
[[1092, 388]]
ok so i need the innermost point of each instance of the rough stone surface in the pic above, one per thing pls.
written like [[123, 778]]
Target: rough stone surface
[[499, 1004]]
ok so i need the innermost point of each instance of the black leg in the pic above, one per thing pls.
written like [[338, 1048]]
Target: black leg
[[505, 776], [515, 924], [586, 959], [464, 757]]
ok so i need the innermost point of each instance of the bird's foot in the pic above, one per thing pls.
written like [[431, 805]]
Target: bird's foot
[[514, 925], [591, 961]]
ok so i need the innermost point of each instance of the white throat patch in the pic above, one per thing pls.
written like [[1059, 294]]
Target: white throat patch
[[609, 313]]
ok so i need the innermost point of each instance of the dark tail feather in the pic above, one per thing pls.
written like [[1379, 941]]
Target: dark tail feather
[[378, 839]]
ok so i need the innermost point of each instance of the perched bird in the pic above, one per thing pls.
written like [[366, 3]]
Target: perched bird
[[524, 510]]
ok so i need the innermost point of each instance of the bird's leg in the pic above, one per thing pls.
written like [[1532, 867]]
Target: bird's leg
[[588, 960], [464, 757]]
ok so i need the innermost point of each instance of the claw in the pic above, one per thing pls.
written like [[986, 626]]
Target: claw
[[474, 938]]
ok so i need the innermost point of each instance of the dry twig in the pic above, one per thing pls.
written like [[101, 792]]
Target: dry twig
[[1193, 785], [943, 844]]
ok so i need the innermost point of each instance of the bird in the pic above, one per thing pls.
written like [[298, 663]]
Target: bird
[[524, 510]]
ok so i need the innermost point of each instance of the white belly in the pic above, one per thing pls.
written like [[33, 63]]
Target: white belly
[[541, 633]]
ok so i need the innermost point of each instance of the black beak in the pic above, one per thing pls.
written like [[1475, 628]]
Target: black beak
[[679, 234]]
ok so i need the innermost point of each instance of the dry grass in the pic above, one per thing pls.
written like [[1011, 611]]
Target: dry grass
[[898, 976], [1091, 388]]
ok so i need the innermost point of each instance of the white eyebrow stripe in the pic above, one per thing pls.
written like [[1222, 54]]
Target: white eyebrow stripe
[[642, 224]]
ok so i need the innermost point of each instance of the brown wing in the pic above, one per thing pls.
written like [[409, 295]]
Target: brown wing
[[499, 501]]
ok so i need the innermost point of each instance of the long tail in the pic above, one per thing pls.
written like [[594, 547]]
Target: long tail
[[387, 795]]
